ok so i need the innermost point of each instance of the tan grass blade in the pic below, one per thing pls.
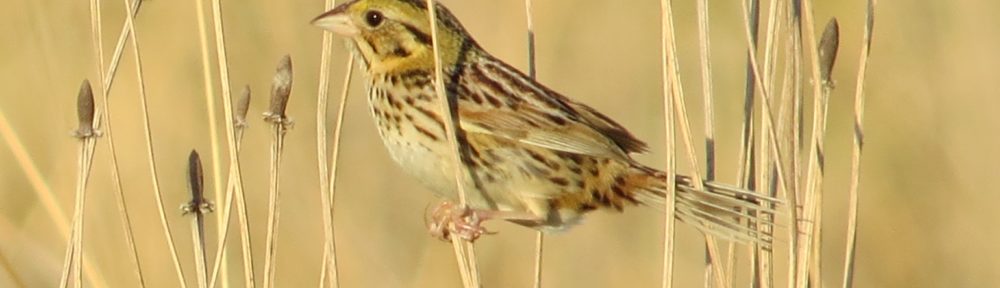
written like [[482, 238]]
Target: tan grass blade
[[329, 270], [337, 137], [123, 213], [532, 72], [814, 174], [859, 135], [281, 88], [151, 156], [676, 92], [213, 131], [747, 137], [236, 176], [241, 125], [669, 206], [464, 252]]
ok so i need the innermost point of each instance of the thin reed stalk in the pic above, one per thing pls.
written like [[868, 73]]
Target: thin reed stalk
[[532, 72], [236, 176], [669, 204], [328, 273], [773, 147], [704, 48], [86, 134], [746, 168], [795, 196], [151, 155], [768, 114], [242, 106], [281, 88], [827, 53], [96, 27], [859, 141], [331, 252], [213, 131], [814, 174], [762, 266], [41, 188], [78, 218], [464, 250], [680, 110], [68, 259], [34, 176]]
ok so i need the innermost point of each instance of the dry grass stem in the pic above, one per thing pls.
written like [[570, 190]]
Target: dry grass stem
[[67, 261], [126, 221], [78, 221], [676, 93], [828, 46], [328, 273], [151, 156], [213, 131], [532, 72], [814, 174], [704, 47], [330, 252], [236, 176], [763, 273], [747, 136], [86, 134], [782, 180], [281, 88], [768, 114], [464, 250], [669, 203], [241, 125], [797, 120], [859, 141]]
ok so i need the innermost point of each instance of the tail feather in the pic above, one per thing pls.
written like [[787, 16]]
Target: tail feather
[[718, 209]]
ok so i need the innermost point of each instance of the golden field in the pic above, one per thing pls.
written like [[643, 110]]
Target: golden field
[[929, 171]]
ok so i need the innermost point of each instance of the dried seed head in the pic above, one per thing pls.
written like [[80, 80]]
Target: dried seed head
[[195, 177], [242, 106], [828, 46], [85, 111], [281, 87], [196, 182]]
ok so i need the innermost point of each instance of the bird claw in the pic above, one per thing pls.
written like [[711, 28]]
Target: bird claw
[[449, 219]]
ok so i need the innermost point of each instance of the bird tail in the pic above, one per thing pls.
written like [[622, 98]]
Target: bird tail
[[718, 209]]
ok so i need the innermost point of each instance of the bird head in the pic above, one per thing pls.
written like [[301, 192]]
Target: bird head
[[395, 35]]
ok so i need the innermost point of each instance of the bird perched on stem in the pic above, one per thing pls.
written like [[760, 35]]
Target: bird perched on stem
[[529, 154]]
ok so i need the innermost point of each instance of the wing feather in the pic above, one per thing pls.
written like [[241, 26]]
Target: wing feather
[[498, 100]]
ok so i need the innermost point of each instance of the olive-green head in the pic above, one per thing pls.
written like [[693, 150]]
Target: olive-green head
[[394, 36]]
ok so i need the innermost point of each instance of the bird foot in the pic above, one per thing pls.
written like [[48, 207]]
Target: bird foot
[[449, 219]]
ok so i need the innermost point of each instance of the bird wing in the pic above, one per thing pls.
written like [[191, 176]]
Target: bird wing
[[513, 106]]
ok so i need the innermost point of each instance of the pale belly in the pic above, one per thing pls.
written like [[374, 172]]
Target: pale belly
[[513, 181], [420, 161]]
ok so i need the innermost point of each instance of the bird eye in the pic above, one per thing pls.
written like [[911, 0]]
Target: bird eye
[[374, 18]]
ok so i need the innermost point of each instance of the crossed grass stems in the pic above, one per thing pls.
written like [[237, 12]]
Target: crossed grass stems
[[771, 159]]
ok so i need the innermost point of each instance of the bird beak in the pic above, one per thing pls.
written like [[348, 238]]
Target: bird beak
[[337, 22]]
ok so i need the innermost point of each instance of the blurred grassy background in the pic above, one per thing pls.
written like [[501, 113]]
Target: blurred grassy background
[[929, 171]]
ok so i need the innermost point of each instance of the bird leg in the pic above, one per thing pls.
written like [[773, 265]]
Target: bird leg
[[449, 218]]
